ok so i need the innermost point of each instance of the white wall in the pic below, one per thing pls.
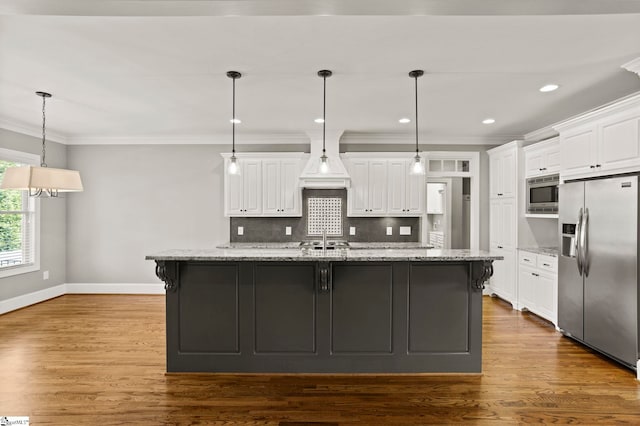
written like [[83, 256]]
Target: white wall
[[52, 223]]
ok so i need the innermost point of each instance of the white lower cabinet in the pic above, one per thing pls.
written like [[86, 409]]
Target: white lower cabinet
[[538, 285], [503, 282]]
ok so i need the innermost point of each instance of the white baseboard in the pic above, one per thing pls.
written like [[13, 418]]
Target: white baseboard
[[78, 288], [31, 298], [115, 288]]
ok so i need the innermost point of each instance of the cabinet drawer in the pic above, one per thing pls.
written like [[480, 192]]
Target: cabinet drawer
[[548, 263], [528, 258]]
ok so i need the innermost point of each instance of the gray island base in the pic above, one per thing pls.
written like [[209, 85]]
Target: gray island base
[[366, 311]]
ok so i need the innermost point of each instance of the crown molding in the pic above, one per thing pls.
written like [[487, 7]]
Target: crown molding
[[622, 104], [35, 131], [214, 139], [391, 138], [541, 134], [633, 66]]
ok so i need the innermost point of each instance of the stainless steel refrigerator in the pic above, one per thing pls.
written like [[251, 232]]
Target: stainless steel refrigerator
[[598, 265]]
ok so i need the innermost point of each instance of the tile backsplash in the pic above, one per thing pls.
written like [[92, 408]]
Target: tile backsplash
[[367, 229]]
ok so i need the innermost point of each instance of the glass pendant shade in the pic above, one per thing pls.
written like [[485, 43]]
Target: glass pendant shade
[[234, 168], [417, 168], [324, 165]]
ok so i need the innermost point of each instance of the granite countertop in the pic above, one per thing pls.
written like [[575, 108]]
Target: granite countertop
[[549, 251], [354, 245], [284, 254]]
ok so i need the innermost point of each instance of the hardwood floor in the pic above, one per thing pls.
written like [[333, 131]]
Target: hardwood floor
[[99, 359]]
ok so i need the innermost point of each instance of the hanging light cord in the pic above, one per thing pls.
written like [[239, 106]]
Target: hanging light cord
[[233, 120], [324, 110], [416, 80], [42, 161]]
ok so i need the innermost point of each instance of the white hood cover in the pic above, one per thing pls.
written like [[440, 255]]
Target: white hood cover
[[337, 176]]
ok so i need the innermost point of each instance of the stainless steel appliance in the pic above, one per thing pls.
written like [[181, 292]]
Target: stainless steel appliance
[[598, 265], [542, 194]]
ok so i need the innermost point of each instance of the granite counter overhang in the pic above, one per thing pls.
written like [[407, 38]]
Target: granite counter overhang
[[297, 255]]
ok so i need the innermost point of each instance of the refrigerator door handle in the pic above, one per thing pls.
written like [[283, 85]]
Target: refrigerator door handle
[[578, 246], [584, 242]]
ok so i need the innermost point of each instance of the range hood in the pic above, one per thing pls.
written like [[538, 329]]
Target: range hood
[[337, 176]]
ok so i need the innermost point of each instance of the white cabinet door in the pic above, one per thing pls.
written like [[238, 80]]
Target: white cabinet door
[[271, 188], [397, 188], [508, 177], [378, 187], [509, 216], [527, 291], [495, 223], [495, 175], [358, 194], [619, 142], [533, 163], [546, 296], [578, 150], [290, 194], [233, 193], [503, 282], [551, 162], [414, 198], [251, 172]]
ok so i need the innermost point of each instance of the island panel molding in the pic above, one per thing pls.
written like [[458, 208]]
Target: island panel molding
[[367, 311]]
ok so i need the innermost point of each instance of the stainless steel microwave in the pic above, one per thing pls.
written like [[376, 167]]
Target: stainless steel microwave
[[542, 194]]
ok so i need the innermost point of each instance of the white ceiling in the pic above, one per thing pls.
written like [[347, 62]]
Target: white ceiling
[[162, 77]]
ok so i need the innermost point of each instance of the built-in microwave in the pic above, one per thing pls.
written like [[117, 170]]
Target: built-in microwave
[[542, 194]]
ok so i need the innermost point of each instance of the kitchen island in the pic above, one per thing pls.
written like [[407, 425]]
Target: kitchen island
[[348, 311]]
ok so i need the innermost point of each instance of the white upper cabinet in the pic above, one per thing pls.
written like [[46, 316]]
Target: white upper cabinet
[[282, 195], [381, 185], [368, 193], [243, 192], [601, 142], [266, 186], [405, 191], [542, 158], [502, 170]]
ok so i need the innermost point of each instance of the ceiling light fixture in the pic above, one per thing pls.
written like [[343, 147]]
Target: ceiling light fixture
[[42, 181], [549, 87], [417, 168], [488, 121], [319, 120], [235, 120], [234, 168], [404, 120], [324, 161]]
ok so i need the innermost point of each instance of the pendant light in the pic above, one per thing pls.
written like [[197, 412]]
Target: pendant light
[[234, 167], [324, 161], [42, 181], [417, 168]]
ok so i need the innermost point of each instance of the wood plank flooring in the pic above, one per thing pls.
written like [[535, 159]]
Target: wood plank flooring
[[99, 360]]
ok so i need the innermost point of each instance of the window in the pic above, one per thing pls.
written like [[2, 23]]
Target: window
[[19, 221]]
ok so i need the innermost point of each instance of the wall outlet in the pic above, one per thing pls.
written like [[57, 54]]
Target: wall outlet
[[389, 230], [240, 230], [45, 275], [287, 230], [405, 230], [352, 230]]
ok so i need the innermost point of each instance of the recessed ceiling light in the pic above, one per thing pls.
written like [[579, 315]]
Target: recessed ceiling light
[[235, 121], [549, 87], [319, 120], [404, 120], [488, 121]]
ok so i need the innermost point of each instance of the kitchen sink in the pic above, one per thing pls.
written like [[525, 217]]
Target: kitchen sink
[[317, 245]]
